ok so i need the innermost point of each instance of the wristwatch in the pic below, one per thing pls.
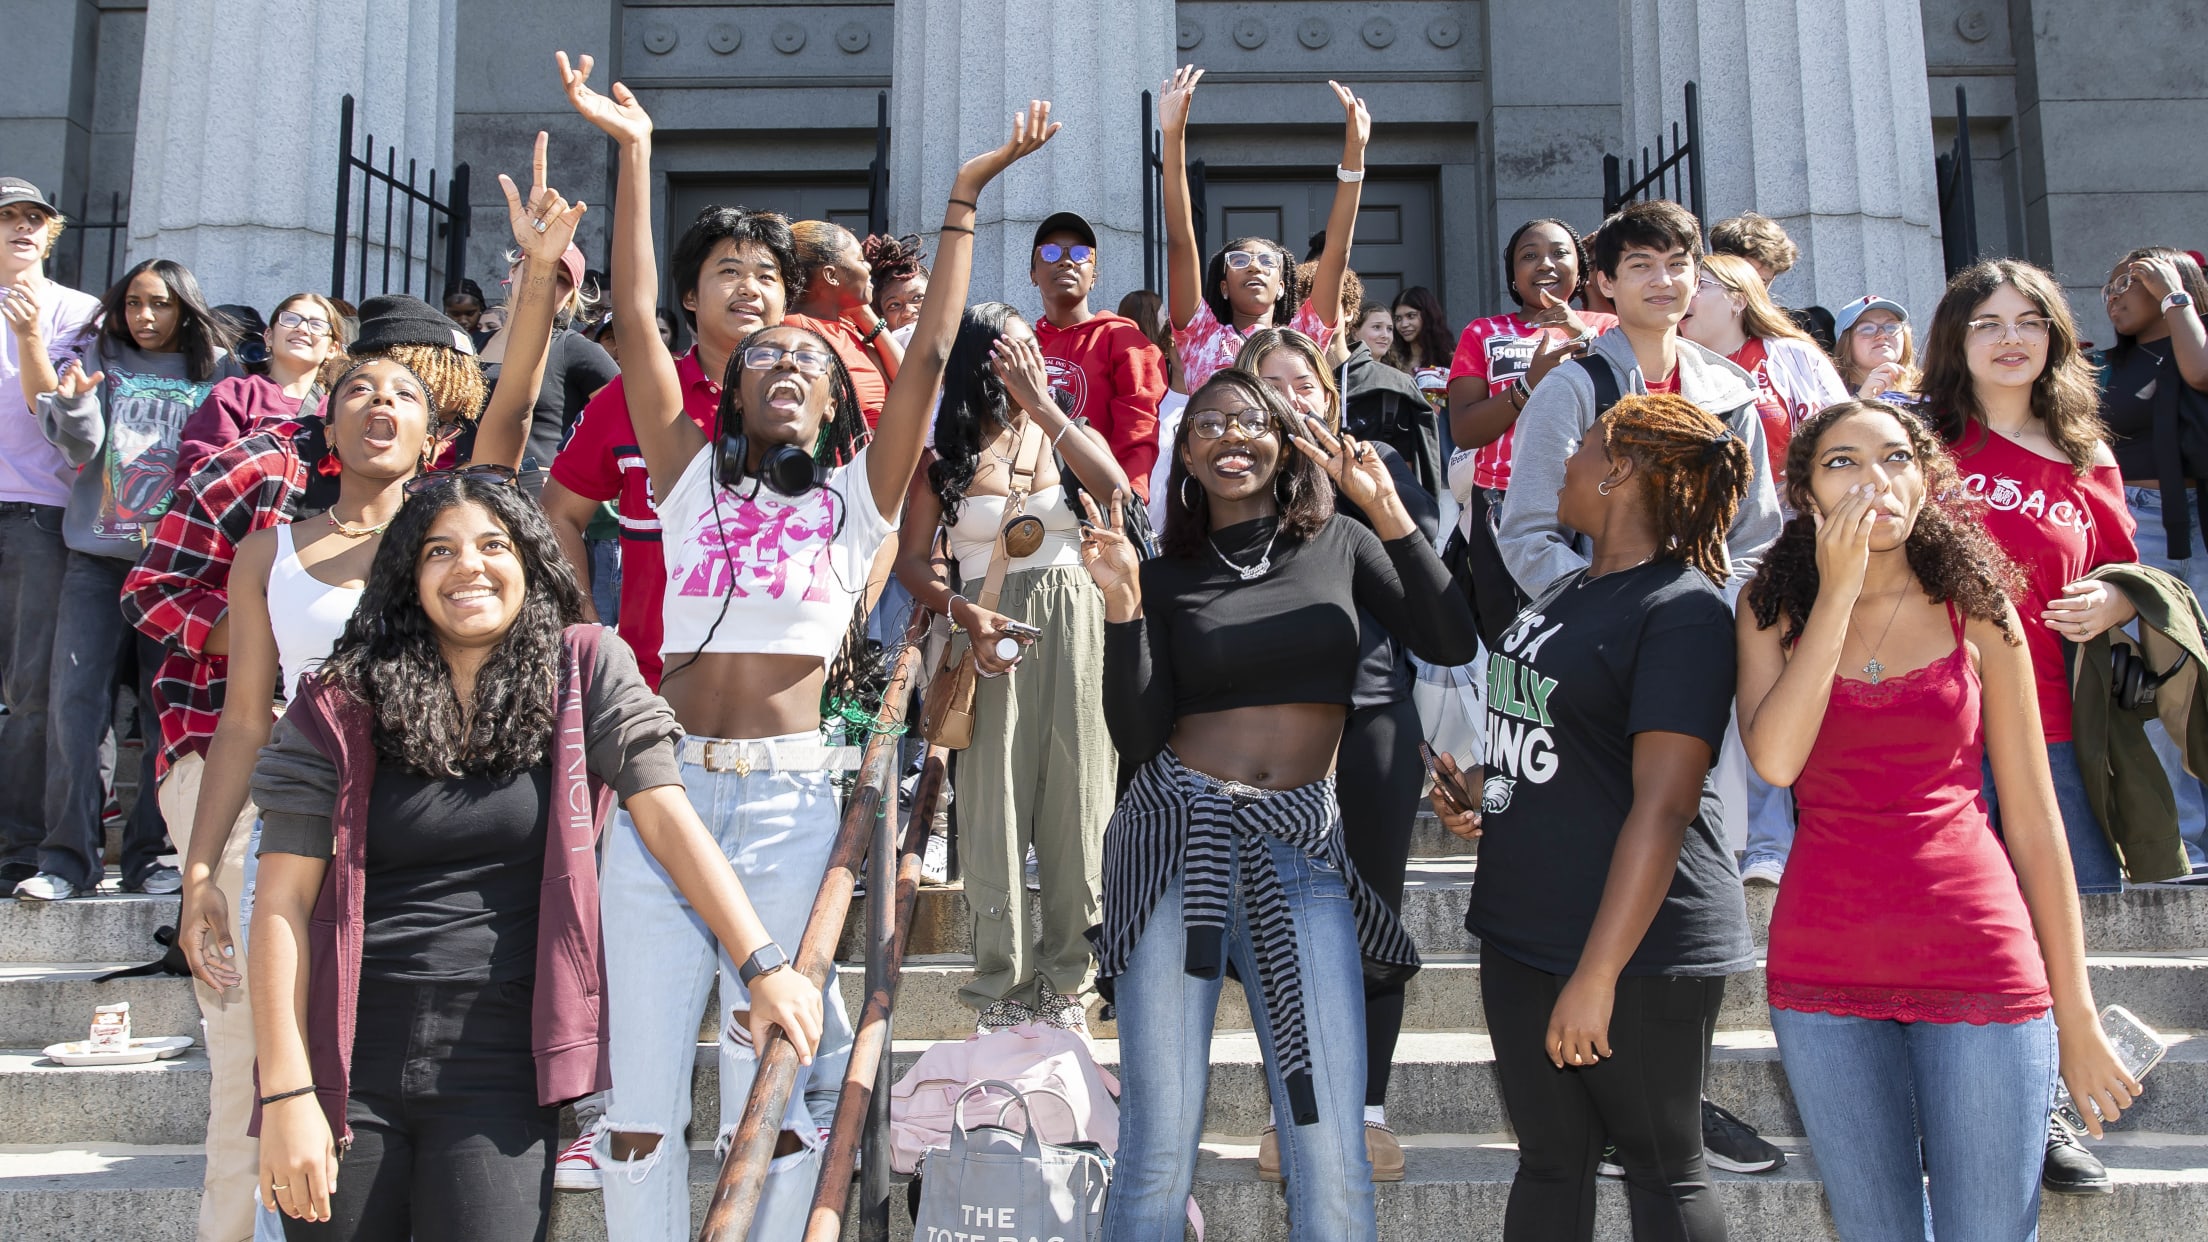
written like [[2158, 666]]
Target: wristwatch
[[766, 961], [2176, 299]]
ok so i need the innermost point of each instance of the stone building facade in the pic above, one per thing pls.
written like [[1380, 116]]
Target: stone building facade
[[213, 123]]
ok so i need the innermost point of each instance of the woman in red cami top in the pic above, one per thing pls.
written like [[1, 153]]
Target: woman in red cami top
[[1925, 983]]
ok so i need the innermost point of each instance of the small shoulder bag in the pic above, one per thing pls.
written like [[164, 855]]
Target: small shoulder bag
[[947, 709]]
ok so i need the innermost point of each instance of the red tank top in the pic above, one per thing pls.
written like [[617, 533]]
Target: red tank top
[[1899, 901]]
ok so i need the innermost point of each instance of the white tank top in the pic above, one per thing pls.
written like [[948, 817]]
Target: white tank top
[[974, 535], [306, 613]]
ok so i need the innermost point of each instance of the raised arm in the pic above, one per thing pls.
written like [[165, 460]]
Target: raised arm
[[1184, 267], [543, 227], [1020, 365], [910, 405], [1341, 222], [666, 436]]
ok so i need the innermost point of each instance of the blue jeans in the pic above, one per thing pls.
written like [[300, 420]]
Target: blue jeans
[[1976, 1097], [31, 560], [2093, 861], [1166, 1017], [605, 579], [777, 829], [1770, 822], [2145, 504], [94, 647]]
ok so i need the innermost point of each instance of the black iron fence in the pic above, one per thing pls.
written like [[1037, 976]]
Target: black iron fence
[[1681, 160], [414, 214], [1153, 200], [877, 173], [90, 255], [1958, 197]]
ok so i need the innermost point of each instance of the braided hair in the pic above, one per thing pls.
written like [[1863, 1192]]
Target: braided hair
[[1294, 287], [1697, 470], [841, 437], [892, 259], [1949, 551]]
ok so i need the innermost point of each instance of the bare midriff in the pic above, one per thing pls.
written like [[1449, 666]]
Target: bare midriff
[[744, 694], [1278, 746]]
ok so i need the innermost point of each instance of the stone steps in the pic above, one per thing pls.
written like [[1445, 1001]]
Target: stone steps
[[1443, 1083], [1455, 1186]]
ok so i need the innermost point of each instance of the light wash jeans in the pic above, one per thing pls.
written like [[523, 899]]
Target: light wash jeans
[[1166, 1017], [1770, 822], [777, 829], [1976, 1097], [2145, 504]]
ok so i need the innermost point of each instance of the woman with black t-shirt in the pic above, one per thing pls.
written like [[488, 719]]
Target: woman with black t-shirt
[[1606, 903], [1229, 663]]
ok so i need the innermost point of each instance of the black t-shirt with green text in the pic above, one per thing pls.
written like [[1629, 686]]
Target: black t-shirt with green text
[[1582, 670]]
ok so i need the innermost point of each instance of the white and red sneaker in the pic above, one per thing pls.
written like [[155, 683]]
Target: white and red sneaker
[[577, 1168]]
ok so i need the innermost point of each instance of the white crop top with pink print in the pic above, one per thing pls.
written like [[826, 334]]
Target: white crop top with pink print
[[789, 569]]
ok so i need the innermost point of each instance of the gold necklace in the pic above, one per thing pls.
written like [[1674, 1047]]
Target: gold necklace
[[354, 532]]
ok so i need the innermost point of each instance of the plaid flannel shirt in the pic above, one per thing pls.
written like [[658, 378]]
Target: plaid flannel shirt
[[179, 590]]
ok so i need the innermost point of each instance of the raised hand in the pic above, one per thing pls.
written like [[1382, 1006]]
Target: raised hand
[[1844, 544], [1019, 363], [1551, 350], [1031, 128], [1175, 96], [1356, 117], [75, 383], [1356, 468], [1111, 559], [544, 226], [1880, 381], [621, 116], [2158, 276], [20, 307]]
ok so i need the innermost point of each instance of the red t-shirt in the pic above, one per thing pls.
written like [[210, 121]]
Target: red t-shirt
[[1778, 424], [602, 462], [866, 376], [2056, 526], [1497, 350], [1115, 378]]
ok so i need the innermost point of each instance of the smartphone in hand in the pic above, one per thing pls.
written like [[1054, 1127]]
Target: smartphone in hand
[[1450, 784]]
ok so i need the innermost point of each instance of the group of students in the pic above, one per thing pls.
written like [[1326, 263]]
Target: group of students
[[492, 858]]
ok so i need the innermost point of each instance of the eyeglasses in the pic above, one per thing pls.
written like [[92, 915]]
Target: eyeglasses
[[1052, 252], [293, 319], [482, 472], [809, 361], [1265, 260], [1873, 331], [2116, 288], [2031, 331], [1250, 420]]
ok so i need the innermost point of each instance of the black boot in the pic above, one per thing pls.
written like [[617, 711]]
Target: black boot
[[2069, 1168]]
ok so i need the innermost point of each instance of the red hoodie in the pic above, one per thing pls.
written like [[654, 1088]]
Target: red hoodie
[[1116, 378]]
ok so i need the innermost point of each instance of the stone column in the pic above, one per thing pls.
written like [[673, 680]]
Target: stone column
[[236, 167], [963, 67], [1813, 114]]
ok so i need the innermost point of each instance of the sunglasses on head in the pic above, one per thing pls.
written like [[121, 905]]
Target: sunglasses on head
[[1052, 252], [1265, 260], [483, 472]]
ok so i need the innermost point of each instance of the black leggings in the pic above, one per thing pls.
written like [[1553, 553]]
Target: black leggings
[[1646, 1098], [449, 1142], [1379, 776]]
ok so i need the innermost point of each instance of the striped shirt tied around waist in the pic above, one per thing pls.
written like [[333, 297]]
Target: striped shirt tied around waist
[[1176, 820]]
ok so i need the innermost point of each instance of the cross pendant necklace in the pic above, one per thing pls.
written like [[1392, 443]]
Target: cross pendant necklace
[[1872, 668]]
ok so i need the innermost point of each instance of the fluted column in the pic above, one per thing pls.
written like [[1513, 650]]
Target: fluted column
[[963, 67], [237, 148], [1813, 114]]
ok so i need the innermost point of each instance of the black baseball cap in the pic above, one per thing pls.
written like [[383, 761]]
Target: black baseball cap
[[1064, 222], [15, 190]]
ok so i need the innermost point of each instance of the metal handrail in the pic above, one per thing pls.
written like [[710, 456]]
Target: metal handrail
[[743, 1174]]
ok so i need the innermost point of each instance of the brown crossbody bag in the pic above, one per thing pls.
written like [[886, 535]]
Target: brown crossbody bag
[[947, 709]]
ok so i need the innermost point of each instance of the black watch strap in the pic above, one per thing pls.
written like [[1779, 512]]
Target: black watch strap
[[766, 961]]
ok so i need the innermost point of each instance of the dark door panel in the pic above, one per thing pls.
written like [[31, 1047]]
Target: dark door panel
[[1397, 242]]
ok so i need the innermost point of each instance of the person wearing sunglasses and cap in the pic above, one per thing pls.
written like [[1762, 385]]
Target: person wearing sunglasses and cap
[[1103, 369], [179, 595]]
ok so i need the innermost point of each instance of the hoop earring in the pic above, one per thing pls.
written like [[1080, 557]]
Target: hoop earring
[[1186, 503], [1603, 487]]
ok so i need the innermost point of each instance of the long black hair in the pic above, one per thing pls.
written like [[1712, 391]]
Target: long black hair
[[389, 659], [1300, 487], [1292, 291], [975, 406], [201, 335]]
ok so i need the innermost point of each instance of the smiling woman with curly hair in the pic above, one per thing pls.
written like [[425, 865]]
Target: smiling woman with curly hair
[[1883, 676]]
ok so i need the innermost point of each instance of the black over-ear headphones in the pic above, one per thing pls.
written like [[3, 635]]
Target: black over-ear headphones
[[786, 468], [2133, 680]]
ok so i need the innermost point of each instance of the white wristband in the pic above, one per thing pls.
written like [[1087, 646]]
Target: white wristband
[[1343, 174]]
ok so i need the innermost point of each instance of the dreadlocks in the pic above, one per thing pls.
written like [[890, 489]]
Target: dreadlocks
[[1697, 469]]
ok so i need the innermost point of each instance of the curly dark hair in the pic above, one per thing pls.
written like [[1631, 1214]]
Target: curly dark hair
[[1292, 282], [975, 406], [1305, 494], [1949, 551], [892, 258], [388, 656], [1697, 470]]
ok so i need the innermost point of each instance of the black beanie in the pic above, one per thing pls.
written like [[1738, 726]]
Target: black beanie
[[397, 319]]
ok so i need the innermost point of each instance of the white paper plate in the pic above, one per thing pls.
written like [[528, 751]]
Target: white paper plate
[[158, 1048]]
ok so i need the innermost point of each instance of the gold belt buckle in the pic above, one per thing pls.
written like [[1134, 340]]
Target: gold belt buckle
[[740, 765]]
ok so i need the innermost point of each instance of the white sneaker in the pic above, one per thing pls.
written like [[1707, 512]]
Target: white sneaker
[[935, 860], [1763, 871], [45, 886]]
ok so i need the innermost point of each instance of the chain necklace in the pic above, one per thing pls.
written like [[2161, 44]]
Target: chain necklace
[[1250, 573], [1873, 669], [354, 532]]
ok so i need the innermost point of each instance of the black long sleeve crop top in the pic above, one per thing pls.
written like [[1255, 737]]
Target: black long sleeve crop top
[[1208, 641]]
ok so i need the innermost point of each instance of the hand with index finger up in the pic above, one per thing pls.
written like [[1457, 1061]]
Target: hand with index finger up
[[544, 224]]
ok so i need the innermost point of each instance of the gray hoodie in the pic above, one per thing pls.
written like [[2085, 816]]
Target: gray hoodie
[[123, 435], [1537, 548]]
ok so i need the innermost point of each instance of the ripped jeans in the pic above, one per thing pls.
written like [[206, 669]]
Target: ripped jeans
[[777, 829]]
